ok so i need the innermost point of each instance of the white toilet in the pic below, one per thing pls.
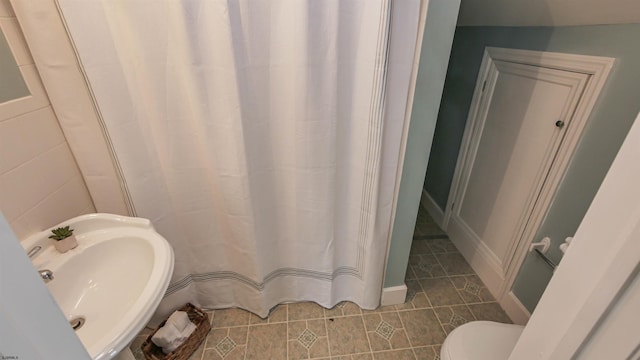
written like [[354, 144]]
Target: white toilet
[[481, 340]]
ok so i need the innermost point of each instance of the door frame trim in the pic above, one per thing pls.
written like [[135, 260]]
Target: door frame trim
[[598, 68]]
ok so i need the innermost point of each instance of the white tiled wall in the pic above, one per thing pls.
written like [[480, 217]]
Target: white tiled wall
[[40, 183]]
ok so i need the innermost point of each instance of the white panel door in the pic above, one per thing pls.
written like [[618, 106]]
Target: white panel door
[[525, 111]]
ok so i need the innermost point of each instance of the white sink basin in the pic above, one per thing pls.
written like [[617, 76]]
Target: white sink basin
[[114, 279]]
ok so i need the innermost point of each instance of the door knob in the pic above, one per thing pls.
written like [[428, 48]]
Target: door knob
[[560, 124]]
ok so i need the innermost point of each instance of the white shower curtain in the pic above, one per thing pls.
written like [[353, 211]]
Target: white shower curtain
[[253, 134]]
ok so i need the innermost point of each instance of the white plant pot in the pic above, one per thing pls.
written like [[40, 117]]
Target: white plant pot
[[66, 244]]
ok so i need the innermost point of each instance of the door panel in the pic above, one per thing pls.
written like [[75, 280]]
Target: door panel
[[511, 154]]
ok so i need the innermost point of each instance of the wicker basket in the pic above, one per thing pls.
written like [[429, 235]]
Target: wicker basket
[[199, 318]]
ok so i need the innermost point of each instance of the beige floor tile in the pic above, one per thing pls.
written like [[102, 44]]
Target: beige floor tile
[[416, 298], [453, 316], [362, 357], [413, 286], [471, 289], [419, 246], [427, 267], [297, 350], [215, 336], [307, 339], [441, 245], [367, 356], [392, 319], [210, 314], [230, 317], [378, 343], [427, 353], [430, 229], [454, 264], [371, 321], [238, 353], [276, 315], [489, 312], [347, 335], [226, 343], [320, 348], [422, 327], [239, 334], [319, 327], [267, 342], [408, 304], [410, 274], [420, 301], [406, 354], [304, 311], [385, 331], [295, 328], [381, 309], [344, 308], [425, 225], [441, 292], [399, 340]]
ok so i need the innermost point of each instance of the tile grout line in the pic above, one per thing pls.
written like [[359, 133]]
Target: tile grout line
[[326, 331], [287, 324], [442, 326], [432, 309], [246, 345], [204, 343], [366, 333], [471, 312], [406, 332]]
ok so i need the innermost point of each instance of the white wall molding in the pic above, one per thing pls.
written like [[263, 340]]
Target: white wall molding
[[483, 261], [514, 308], [393, 295], [432, 208]]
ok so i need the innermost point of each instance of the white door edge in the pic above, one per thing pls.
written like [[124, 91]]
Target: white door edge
[[594, 273], [598, 68]]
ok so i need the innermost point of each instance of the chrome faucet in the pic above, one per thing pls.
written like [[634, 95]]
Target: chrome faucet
[[46, 275]]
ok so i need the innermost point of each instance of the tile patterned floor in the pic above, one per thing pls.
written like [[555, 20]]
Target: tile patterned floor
[[444, 293]]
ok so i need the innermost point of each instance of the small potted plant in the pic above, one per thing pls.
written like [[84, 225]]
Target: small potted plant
[[64, 239]]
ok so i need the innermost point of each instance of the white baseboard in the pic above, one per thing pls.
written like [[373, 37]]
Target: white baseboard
[[483, 261], [432, 208], [489, 268], [514, 308], [393, 295]]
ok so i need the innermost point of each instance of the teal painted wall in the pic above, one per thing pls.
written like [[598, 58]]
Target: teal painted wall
[[434, 57], [606, 128]]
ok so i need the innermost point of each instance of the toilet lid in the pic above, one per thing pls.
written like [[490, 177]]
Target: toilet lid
[[481, 340]]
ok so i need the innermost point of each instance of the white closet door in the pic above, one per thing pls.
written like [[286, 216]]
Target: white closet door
[[524, 114]]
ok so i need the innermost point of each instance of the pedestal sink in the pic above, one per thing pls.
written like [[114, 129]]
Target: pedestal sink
[[110, 285]]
